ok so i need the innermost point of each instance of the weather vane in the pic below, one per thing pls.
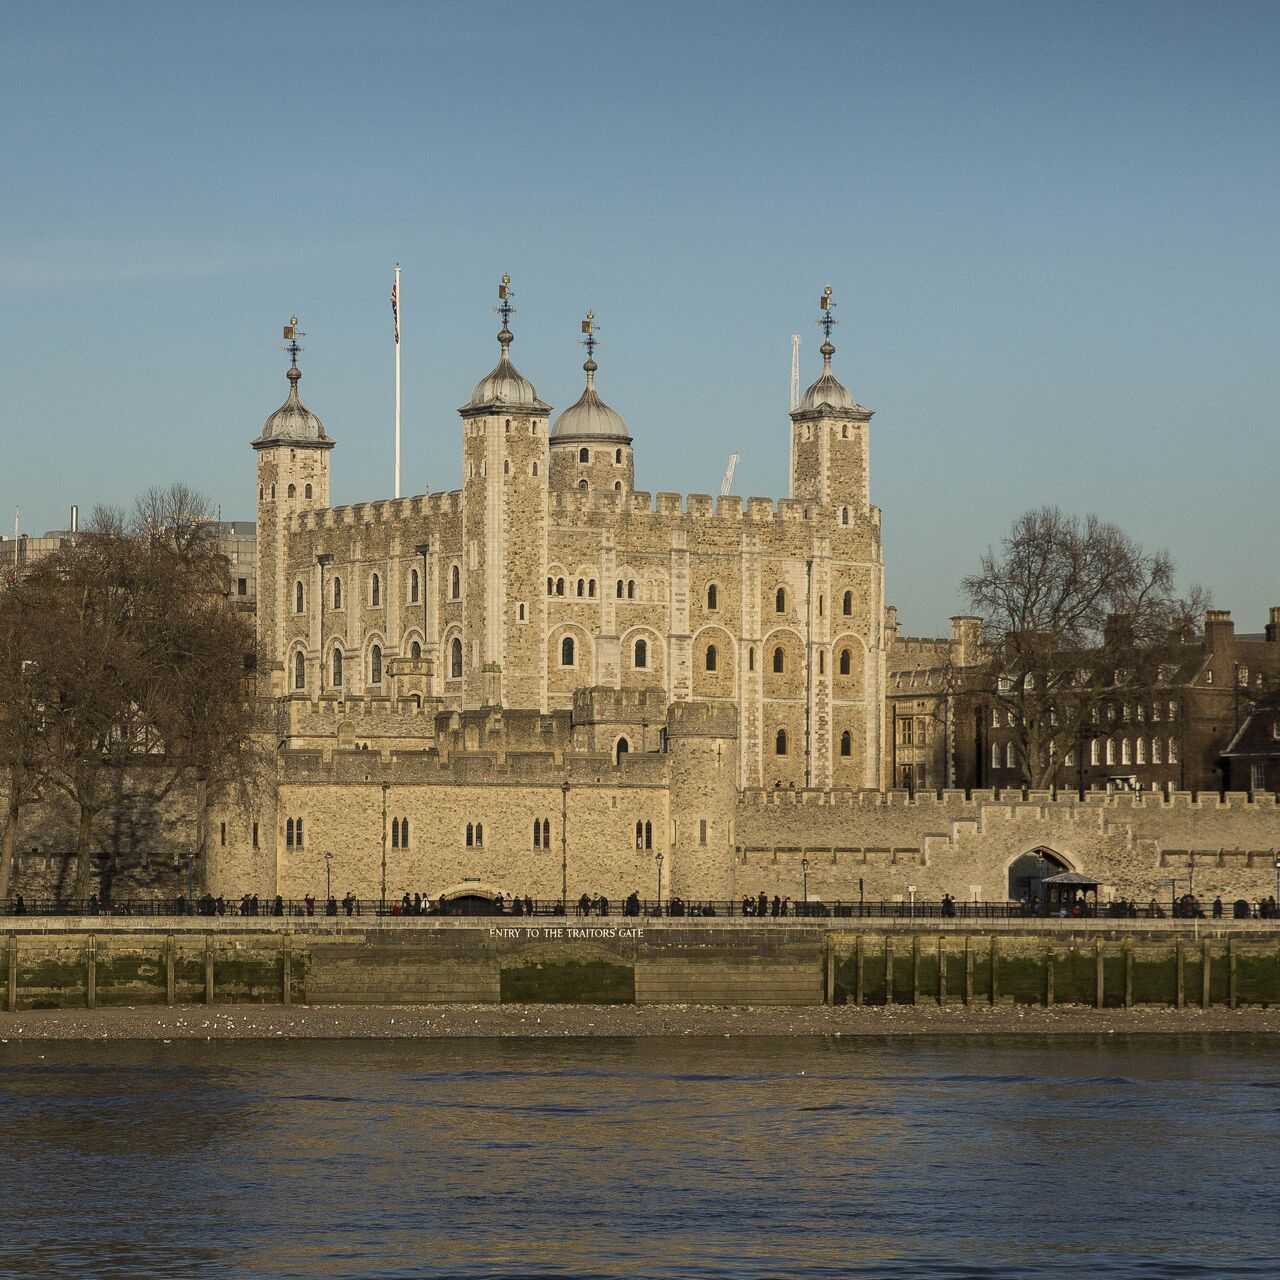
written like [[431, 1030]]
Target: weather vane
[[504, 307], [590, 328], [292, 333], [826, 320]]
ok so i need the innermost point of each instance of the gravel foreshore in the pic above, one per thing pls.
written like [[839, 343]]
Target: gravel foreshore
[[395, 1022]]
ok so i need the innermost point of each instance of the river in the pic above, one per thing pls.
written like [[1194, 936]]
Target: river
[[983, 1157]]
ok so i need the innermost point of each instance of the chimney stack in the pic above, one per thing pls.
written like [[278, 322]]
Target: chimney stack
[[1219, 630], [1273, 624]]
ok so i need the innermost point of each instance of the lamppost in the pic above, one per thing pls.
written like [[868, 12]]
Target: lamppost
[[191, 890], [911, 889], [657, 857], [804, 867], [564, 847], [328, 878], [1278, 879]]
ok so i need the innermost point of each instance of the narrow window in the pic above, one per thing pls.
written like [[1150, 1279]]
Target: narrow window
[[566, 652], [620, 588], [288, 834], [375, 664], [844, 515], [293, 491], [1125, 756], [307, 491], [617, 457], [559, 586], [648, 835], [337, 668], [1094, 753], [639, 835], [299, 671], [846, 662], [415, 651], [395, 833], [846, 743], [591, 589], [1173, 752], [995, 755], [413, 586], [222, 838], [711, 657], [1111, 751], [535, 468], [479, 835], [702, 831], [506, 466], [822, 662], [1155, 752], [621, 750], [298, 830], [537, 834], [455, 659], [273, 493], [584, 455], [631, 588], [1008, 756], [582, 588], [546, 833], [337, 593], [255, 835], [520, 613], [299, 599], [780, 743], [404, 833], [779, 660], [712, 598], [455, 583], [751, 658], [471, 835], [1141, 757], [846, 606], [780, 600], [641, 655], [375, 591]]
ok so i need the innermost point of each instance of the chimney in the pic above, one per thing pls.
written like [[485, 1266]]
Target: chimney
[[1219, 630], [966, 637], [1273, 625], [890, 624]]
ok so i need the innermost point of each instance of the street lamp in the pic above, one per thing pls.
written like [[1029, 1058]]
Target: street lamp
[[191, 890], [657, 857], [911, 889], [804, 867], [1278, 879], [328, 877]]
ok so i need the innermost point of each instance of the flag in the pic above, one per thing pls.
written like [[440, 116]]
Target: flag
[[395, 312]]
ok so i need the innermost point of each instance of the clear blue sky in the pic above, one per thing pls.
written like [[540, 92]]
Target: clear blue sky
[[1051, 228]]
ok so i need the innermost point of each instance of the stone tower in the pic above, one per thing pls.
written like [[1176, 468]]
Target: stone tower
[[504, 486], [702, 746], [293, 476]]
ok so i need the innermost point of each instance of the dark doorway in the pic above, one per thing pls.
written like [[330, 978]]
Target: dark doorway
[[470, 904], [1028, 874]]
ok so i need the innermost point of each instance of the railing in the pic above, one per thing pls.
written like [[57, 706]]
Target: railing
[[646, 908]]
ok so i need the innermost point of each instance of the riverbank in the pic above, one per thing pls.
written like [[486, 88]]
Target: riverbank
[[389, 1022]]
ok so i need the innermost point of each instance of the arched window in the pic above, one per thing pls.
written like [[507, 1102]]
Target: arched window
[[639, 835], [995, 755], [1142, 751], [299, 670], [631, 588], [559, 586], [584, 455], [471, 835], [288, 834], [404, 833], [551, 586], [566, 652], [712, 598], [641, 655], [337, 668], [1155, 752], [299, 597], [1125, 753], [582, 484], [337, 593], [822, 662], [1094, 754], [780, 743], [261, 493], [621, 750], [413, 586], [546, 833], [297, 834], [273, 493], [780, 600], [455, 583], [293, 491], [455, 659], [648, 835], [846, 662], [535, 468], [621, 588], [375, 591], [1172, 757], [582, 587], [847, 604], [479, 835], [617, 486], [617, 457], [375, 664], [779, 660], [1111, 751], [844, 515], [395, 833], [711, 657], [415, 651], [1008, 756], [846, 743], [591, 588], [537, 834]]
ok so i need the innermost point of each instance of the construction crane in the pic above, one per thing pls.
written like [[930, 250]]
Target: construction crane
[[795, 371], [727, 483]]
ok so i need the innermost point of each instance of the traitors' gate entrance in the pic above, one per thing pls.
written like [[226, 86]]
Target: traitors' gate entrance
[[1029, 872]]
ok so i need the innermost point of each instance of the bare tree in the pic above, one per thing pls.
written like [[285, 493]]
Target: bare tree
[[1070, 610]]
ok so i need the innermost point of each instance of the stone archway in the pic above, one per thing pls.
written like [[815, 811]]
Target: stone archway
[[1028, 873]]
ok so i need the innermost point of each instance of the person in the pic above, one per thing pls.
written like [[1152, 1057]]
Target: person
[[310, 900], [517, 905], [584, 904], [277, 907], [253, 904], [948, 905], [604, 905], [528, 905], [93, 904], [244, 905], [405, 905], [349, 903], [786, 904], [220, 906], [747, 907], [417, 904], [19, 905], [1217, 907], [775, 907], [762, 904], [500, 902], [331, 907]]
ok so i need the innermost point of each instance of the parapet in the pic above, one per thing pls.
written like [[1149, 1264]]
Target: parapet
[[702, 720], [601, 705]]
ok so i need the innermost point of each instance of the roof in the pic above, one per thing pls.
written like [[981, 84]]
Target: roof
[[589, 418], [293, 423]]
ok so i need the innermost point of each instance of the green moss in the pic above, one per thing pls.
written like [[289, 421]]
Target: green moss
[[1155, 976], [595, 981], [247, 979], [1074, 978], [1257, 977], [130, 978]]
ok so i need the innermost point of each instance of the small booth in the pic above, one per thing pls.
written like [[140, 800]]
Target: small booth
[[1065, 892]]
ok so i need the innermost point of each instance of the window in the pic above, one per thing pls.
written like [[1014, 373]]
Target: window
[[307, 491], [995, 717], [566, 652], [617, 457], [222, 837], [844, 515], [712, 598], [846, 604], [780, 600], [1155, 751], [471, 835], [475, 836], [375, 664], [584, 455], [255, 835], [702, 831], [299, 670], [395, 833], [582, 588], [641, 659], [631, 588], [1208, 677], [1257, 776], [711, 657], [293, 491], [273, 493], [779, 660], [1173, 751], [242, 586], [639, 834], [546, 833], [1141, 753], [648, 835], [337, 668], [995, 755], [1126, 756], [1111, 751], [1173, 711], [1094, 752], [455, 659], [404, 833], [297, 831], [920, 733], [846, 744], [559, 586], [621, 588], [846, 661], [288, 834], [582, 484], [455, 583], [591, 588], [299, 597], [535, 468], [904, 732], [375, 591], [621, 750], [1008, 755], [822, 662], [537, 834], [780, 743], [337, 593], [413, 586], [415, 651]]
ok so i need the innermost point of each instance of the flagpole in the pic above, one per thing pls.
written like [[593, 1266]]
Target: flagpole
[[397, 299]]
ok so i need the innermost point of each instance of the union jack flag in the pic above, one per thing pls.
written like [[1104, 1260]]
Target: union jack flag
[[395, 313]]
